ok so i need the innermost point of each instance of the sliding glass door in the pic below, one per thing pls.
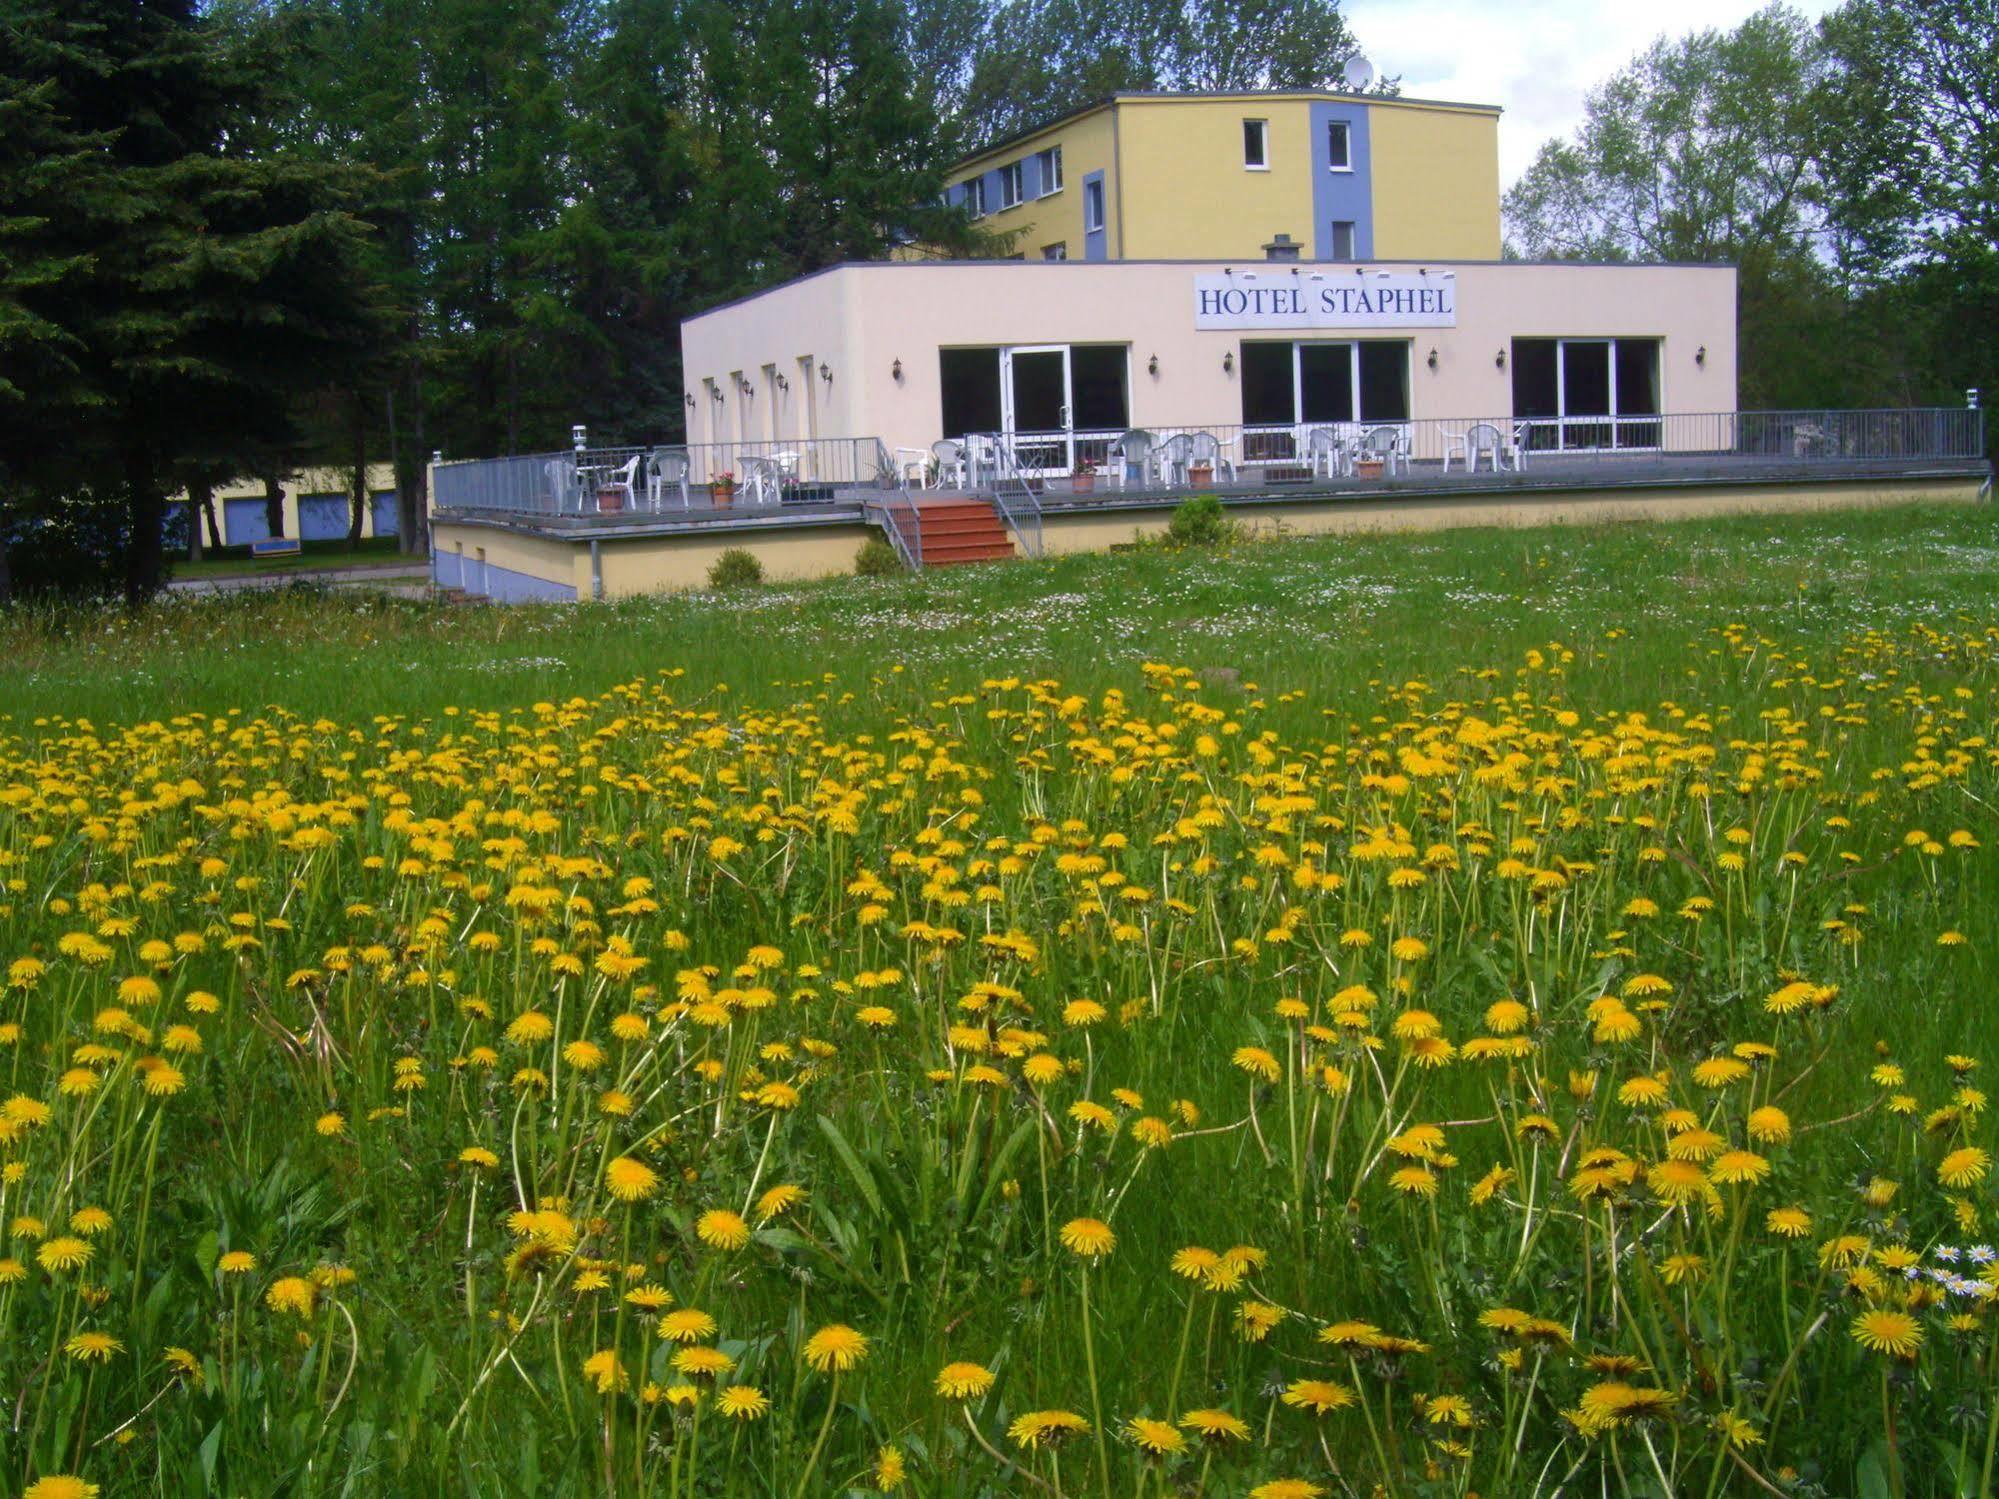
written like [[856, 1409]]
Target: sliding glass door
[[1287, 385], [1051, 403], [1589, 394]]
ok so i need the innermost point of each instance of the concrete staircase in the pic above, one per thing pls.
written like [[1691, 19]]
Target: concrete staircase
[[962, 531]]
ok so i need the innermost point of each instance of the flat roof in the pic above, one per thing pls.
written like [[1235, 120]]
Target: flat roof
[[1206, 260], [1014, 138]]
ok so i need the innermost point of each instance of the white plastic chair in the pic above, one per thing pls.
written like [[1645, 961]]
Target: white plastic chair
[[667, 468], [1482, 439], [983, 456], [950, 458], [1328, 452], [1130, 456], [1391, 446], [624, 477], [560, 475], [1205, 450], [1172, 460]]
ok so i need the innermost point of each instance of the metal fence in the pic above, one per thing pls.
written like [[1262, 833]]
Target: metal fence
[[1237, 455], [684, 477]]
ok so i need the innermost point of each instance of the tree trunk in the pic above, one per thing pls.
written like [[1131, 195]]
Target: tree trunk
[[145, 550], [208, 513], [200, 503], [413, 474], [274, 505], [6, 573], [357, 453]]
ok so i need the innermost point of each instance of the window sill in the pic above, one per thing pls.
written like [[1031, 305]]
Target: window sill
[[1249, 168], [1343, 171]]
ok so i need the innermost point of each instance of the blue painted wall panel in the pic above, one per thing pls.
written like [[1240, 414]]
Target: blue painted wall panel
[[1096, 242], [322, 517], [1341, 195], [505, 586], [444, 569], [385, 518], [244, 521]]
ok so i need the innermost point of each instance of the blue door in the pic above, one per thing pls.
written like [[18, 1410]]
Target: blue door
[[322, 517], [244, 521], [387, 521]]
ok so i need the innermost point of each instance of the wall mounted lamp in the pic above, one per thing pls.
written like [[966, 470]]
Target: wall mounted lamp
[[895, 372], [782, 383], [1700, 356], [1228, 363], [826, 374], [690, 400], [1152, 365], [1499, 360], [1433, 359]]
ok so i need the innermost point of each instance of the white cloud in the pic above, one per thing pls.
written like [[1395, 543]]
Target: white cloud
[[1537, 59]]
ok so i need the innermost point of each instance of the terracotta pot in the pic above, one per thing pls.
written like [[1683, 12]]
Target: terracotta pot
[[1368, 468], [609, 499], [1083, 483], [1201, 475], [722, 496]]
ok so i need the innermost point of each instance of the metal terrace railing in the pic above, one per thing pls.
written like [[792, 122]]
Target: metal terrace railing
[[670, 479], [1223, 456], [901, 521]]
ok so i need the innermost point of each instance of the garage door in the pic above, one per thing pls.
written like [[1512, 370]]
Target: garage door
[[322, 517], [244, 521], [387, 522]]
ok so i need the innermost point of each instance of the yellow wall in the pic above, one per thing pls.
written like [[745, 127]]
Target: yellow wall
[[1184, 191], [381, 476], [1057, 218], [1436, 183]]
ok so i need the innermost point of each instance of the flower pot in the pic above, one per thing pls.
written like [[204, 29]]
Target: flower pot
[[610, 498], [1368, 468], [1082, 483], [1201, 475], [721, 496]]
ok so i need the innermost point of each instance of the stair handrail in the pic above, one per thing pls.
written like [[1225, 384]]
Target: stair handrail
[[909, 547], [1008, 479]]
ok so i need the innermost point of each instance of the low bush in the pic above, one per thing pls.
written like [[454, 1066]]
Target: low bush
[[736, 568], [877, 559], [1201, 522]]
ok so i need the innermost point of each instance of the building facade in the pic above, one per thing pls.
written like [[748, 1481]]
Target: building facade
[[1346, 177]]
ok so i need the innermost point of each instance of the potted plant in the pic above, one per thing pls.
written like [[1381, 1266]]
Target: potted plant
[[722, 489], [1368, 466], [610, 498], [1200, 475], [1084, 477]]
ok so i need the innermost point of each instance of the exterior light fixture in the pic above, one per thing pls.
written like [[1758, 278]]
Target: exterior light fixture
[[690, 400], [782, 383], [578, 437], [1433, 359], [1228, 362], [895, 371], [826, 374], [1499, 360], [1152, 365], [1700, 356]]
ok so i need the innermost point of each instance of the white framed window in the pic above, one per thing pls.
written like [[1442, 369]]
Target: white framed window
[[1256, 145], [1339, 146], [1057, 251], [1012, 184], [1343, 240], [1049, 169], [1093, 206], [975, 197]]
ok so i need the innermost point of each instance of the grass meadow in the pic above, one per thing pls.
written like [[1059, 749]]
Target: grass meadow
[[1495, 1013]]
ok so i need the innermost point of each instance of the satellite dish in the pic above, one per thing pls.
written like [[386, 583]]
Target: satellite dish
[[1359, 73]]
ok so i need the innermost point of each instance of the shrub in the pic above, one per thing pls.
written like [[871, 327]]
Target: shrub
[[877, 559], [736, 568], [1200, 522]]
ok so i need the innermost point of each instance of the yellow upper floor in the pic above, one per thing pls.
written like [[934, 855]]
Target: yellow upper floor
[[1220, 176]]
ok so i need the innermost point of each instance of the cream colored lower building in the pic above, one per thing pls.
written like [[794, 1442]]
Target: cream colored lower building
[[316, 507], [1059, 355]]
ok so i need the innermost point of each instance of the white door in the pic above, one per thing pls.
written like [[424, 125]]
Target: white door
[[1035, 407]]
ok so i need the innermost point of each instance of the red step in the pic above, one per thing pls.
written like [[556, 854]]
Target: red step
[[961, 531]]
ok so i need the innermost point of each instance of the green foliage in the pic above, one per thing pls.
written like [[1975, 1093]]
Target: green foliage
[[877, 559], [1201, 522], [736, 567]]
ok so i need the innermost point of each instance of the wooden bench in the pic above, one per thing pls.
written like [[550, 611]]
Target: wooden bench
[[275, 546]]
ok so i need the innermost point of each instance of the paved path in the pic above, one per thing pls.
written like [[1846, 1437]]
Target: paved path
[[398, 578]]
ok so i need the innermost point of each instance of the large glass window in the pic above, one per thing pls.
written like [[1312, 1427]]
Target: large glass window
[[1587, 392], [1285, 383], [1097, 381], [970, 381]]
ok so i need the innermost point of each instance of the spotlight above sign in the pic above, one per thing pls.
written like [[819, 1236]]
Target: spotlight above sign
[[1384, 299]]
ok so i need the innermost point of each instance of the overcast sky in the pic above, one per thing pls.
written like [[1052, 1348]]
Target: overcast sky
[[1537, 58]]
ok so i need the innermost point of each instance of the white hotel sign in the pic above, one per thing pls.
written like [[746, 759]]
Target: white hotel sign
[[1330, 300]]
